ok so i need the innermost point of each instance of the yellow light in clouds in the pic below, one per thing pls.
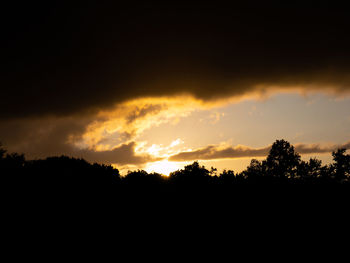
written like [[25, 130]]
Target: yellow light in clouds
[[162, 167]]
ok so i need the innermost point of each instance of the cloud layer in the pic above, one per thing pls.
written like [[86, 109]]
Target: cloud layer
[[75, 78], [62, 59], [106, 137], [213, 152]]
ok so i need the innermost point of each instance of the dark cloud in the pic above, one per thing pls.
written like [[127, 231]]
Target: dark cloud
[[215, 152], [141, 112], [121, 155], [63, 61], [39, 138], [60, 58], [317, 148]]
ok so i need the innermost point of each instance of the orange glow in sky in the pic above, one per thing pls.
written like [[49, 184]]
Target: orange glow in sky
[[163, 167]]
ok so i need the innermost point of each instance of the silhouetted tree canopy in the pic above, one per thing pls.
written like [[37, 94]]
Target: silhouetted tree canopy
[[282, 160], [341, 165], [282, 166]]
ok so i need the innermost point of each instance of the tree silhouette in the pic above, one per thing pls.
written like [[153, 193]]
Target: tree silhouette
[[2, 152], [341, 165], [193, 170], [227, 177], [55, 174], [192, 176], [255, 171], [282, 160], [141, 180]]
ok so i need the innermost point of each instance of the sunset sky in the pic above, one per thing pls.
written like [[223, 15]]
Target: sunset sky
[[158, 86]]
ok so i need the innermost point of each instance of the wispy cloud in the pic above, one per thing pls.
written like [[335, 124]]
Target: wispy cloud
[[218, 152], [127, 121]]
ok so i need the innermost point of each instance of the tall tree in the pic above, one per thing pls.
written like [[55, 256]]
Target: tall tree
[[282, 160], [341, 165]]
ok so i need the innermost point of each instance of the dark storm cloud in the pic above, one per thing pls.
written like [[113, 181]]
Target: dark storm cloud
[[61, 58], [39, 138], [215, 152]]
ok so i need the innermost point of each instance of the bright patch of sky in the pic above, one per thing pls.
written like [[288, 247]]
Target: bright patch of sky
[[256, 123], [314, 119]]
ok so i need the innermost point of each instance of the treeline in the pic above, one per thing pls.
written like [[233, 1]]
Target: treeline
[[283, 166]]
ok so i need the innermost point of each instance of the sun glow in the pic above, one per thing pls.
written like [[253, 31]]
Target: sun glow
[[163, 167]]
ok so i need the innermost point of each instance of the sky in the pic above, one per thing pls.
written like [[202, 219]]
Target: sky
[[157, 86]]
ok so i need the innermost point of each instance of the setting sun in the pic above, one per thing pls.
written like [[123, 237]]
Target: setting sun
[[163, 167]]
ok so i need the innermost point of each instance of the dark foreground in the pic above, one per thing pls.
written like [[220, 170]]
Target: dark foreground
[[69, 202]]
